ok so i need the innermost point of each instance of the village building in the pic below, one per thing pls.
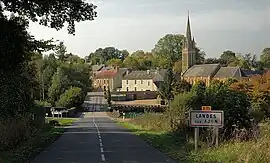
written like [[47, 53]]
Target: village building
[[109, 79], [148, 80]]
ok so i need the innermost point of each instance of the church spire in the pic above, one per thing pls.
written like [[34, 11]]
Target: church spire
[[188, 50], [188, 32]]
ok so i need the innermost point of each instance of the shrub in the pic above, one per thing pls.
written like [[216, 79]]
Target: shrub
[[14, 130], [178, 110], [235, 105], [71, 97], [153, 121]]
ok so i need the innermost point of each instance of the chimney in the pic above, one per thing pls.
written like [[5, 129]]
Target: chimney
[[157, 70], [116, 68]]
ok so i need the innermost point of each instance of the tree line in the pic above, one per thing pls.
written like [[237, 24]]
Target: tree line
[[169, 48], [28, 78]]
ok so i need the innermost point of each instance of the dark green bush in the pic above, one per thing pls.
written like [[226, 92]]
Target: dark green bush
[[71, 97]]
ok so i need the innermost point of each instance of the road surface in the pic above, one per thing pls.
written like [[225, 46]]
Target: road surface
[[95, 138], [95, 101]]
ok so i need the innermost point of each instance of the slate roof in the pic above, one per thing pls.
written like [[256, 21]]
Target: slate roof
[[248, 73], [156, 75], [97, 67], [203, 70], [229, 72]]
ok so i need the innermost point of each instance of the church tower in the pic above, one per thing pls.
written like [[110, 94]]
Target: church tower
[[188, 50]]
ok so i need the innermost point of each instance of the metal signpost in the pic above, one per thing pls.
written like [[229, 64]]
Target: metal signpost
[[206, 118]]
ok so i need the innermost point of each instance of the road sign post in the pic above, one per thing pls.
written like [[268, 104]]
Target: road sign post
[[206, 118]]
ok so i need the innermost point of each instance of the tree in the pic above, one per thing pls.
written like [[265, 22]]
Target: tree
[[169, 46], [145, 59], [72, 97], [265, 57], [132, 63], [52, 13], [166, 87], [60, 83], [181, 86], [234, 104], [114, 62], [61, 50], [228, 57], [178, 67], [101, 56]]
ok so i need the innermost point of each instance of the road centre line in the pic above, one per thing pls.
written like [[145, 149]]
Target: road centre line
[[100, 140]]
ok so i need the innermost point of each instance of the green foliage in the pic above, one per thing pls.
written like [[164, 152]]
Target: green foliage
[[101, 56], [53, 13], [181, 86], [235, 105], [181, 104], [114, 62], [228, 56], [59, 85], [71, 97], [265, 57], [170, 47], [131, 63], [166, 87]]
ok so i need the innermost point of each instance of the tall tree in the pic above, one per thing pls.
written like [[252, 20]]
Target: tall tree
[[228, 57], [166, 88], [265, 57], [170, 46], [61, 51], [52, 13]]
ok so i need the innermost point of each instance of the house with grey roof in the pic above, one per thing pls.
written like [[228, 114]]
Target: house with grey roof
[[143, 80]]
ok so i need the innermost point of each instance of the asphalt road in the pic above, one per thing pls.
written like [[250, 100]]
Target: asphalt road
[[95, 138]]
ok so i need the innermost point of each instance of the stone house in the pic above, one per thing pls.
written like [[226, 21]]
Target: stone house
[[143, 80], [109, 78]]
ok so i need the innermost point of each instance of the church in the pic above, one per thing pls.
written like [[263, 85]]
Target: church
[[192, 73]]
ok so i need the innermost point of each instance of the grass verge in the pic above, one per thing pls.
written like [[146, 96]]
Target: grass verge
[[63, 121], [254, 151], [42, 138], [170, 144]]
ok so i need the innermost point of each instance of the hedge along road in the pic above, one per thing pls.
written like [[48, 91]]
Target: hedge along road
[[96, 138]]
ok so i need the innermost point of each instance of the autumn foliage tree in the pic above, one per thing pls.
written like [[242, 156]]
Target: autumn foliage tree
[[258, 88]]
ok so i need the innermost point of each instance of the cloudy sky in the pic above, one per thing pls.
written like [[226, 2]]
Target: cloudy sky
[[217, 25]]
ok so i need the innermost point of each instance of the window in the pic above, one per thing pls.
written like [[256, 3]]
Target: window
[[127, 89], [135, 88], [141, 81], [148, 83], [135, 81], [127, 81]]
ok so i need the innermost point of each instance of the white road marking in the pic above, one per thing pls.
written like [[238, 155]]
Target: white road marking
[[100, 140], [103, 157]]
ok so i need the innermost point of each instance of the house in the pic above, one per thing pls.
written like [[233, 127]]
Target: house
[[109, 79], [142, 80], [191, 72]]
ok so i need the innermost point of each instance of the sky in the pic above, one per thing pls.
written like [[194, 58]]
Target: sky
[[217, 25]]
